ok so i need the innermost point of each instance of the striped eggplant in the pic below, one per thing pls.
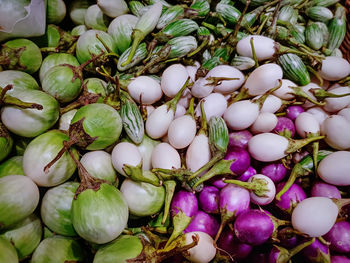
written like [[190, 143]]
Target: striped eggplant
[[203, 31], [243, 63], [324, 29], [294, 68], [170, 15], [132, 119], [6, 142], [255, 2], [25, 236], [288, 14], [181, 46], [137, 8], [298, 32], [314, 36], [218, 134], [324, 3], [202, 7], [177, 28], [337, 28], [319, 13], [228, 12], [220, 55], [145, 25], [140, 54], [121, 30]]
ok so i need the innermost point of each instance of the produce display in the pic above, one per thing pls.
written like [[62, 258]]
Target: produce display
[[174, 131]]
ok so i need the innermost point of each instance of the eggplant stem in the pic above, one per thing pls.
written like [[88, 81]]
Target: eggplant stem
[[138, 36], [254, 53], [170, 186]]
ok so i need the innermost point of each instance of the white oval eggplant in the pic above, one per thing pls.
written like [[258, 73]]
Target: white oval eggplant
[[335, 68], [314, 216], [226, 71], [334, 168], [182, 131], [198, 153], [204, 251], [146, 89], [113, 8], [165, 156], [336, 104], [158, 122], [264, 47], [286, 90], [214, 105], [265, 122], [263, 78], [336, 129], [269, 194], [306, 124], [319, 114], [125, 153], [240, 115], [173, 78]]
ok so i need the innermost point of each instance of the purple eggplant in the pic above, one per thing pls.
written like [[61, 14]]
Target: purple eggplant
[[244, 177], [292, 112], [203, 222], [340, 259], [239, 139], [317, 252], [290, 198], [209, 199], [339, 237], [184, 206], [285, 127], [325, 190], [275, 171]]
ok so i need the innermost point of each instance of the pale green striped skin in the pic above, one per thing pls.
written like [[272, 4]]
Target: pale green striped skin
[[58, 249], [25, 236], [89, 44], [19, 197], [6, 142], [294, 69], [202, 7], [101, 121], [29, 60], [132, 121], [243, 63], [56, 11], [33, 122], [58, 83], [298, 33], [96, 86], [255, 2], [218, 133], [177, 28], [12, 166], [78, 30], [42, 150], [136, 8], [323, 2], [8, 253], [121, 30], [120, 250], [18, 79], [181, 46], [337, 28], [96, 19], [56, 59], [100, 216], [324, 29], [314, 36], [56, 208], [170, 15], [230, 13], [319, 13], [141, 53]]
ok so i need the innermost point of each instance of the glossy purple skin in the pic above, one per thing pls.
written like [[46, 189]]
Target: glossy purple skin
[[275, 171], [241, 157], [294, 111], [273, 255], [218, 181], [285, 126], [203, 222], [312, 250], [253, 227], [239, 139], [294, 195], [339, 236], [233, 201], [209, 199], [325, 190], [244, 177], [340, 259], [286, 238], [184, 201], [229, 242]]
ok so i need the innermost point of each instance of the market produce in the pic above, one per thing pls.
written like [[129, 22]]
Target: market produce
[[174, 131]]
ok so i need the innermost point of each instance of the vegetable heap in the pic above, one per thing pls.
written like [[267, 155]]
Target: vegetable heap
[[174, 131]]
